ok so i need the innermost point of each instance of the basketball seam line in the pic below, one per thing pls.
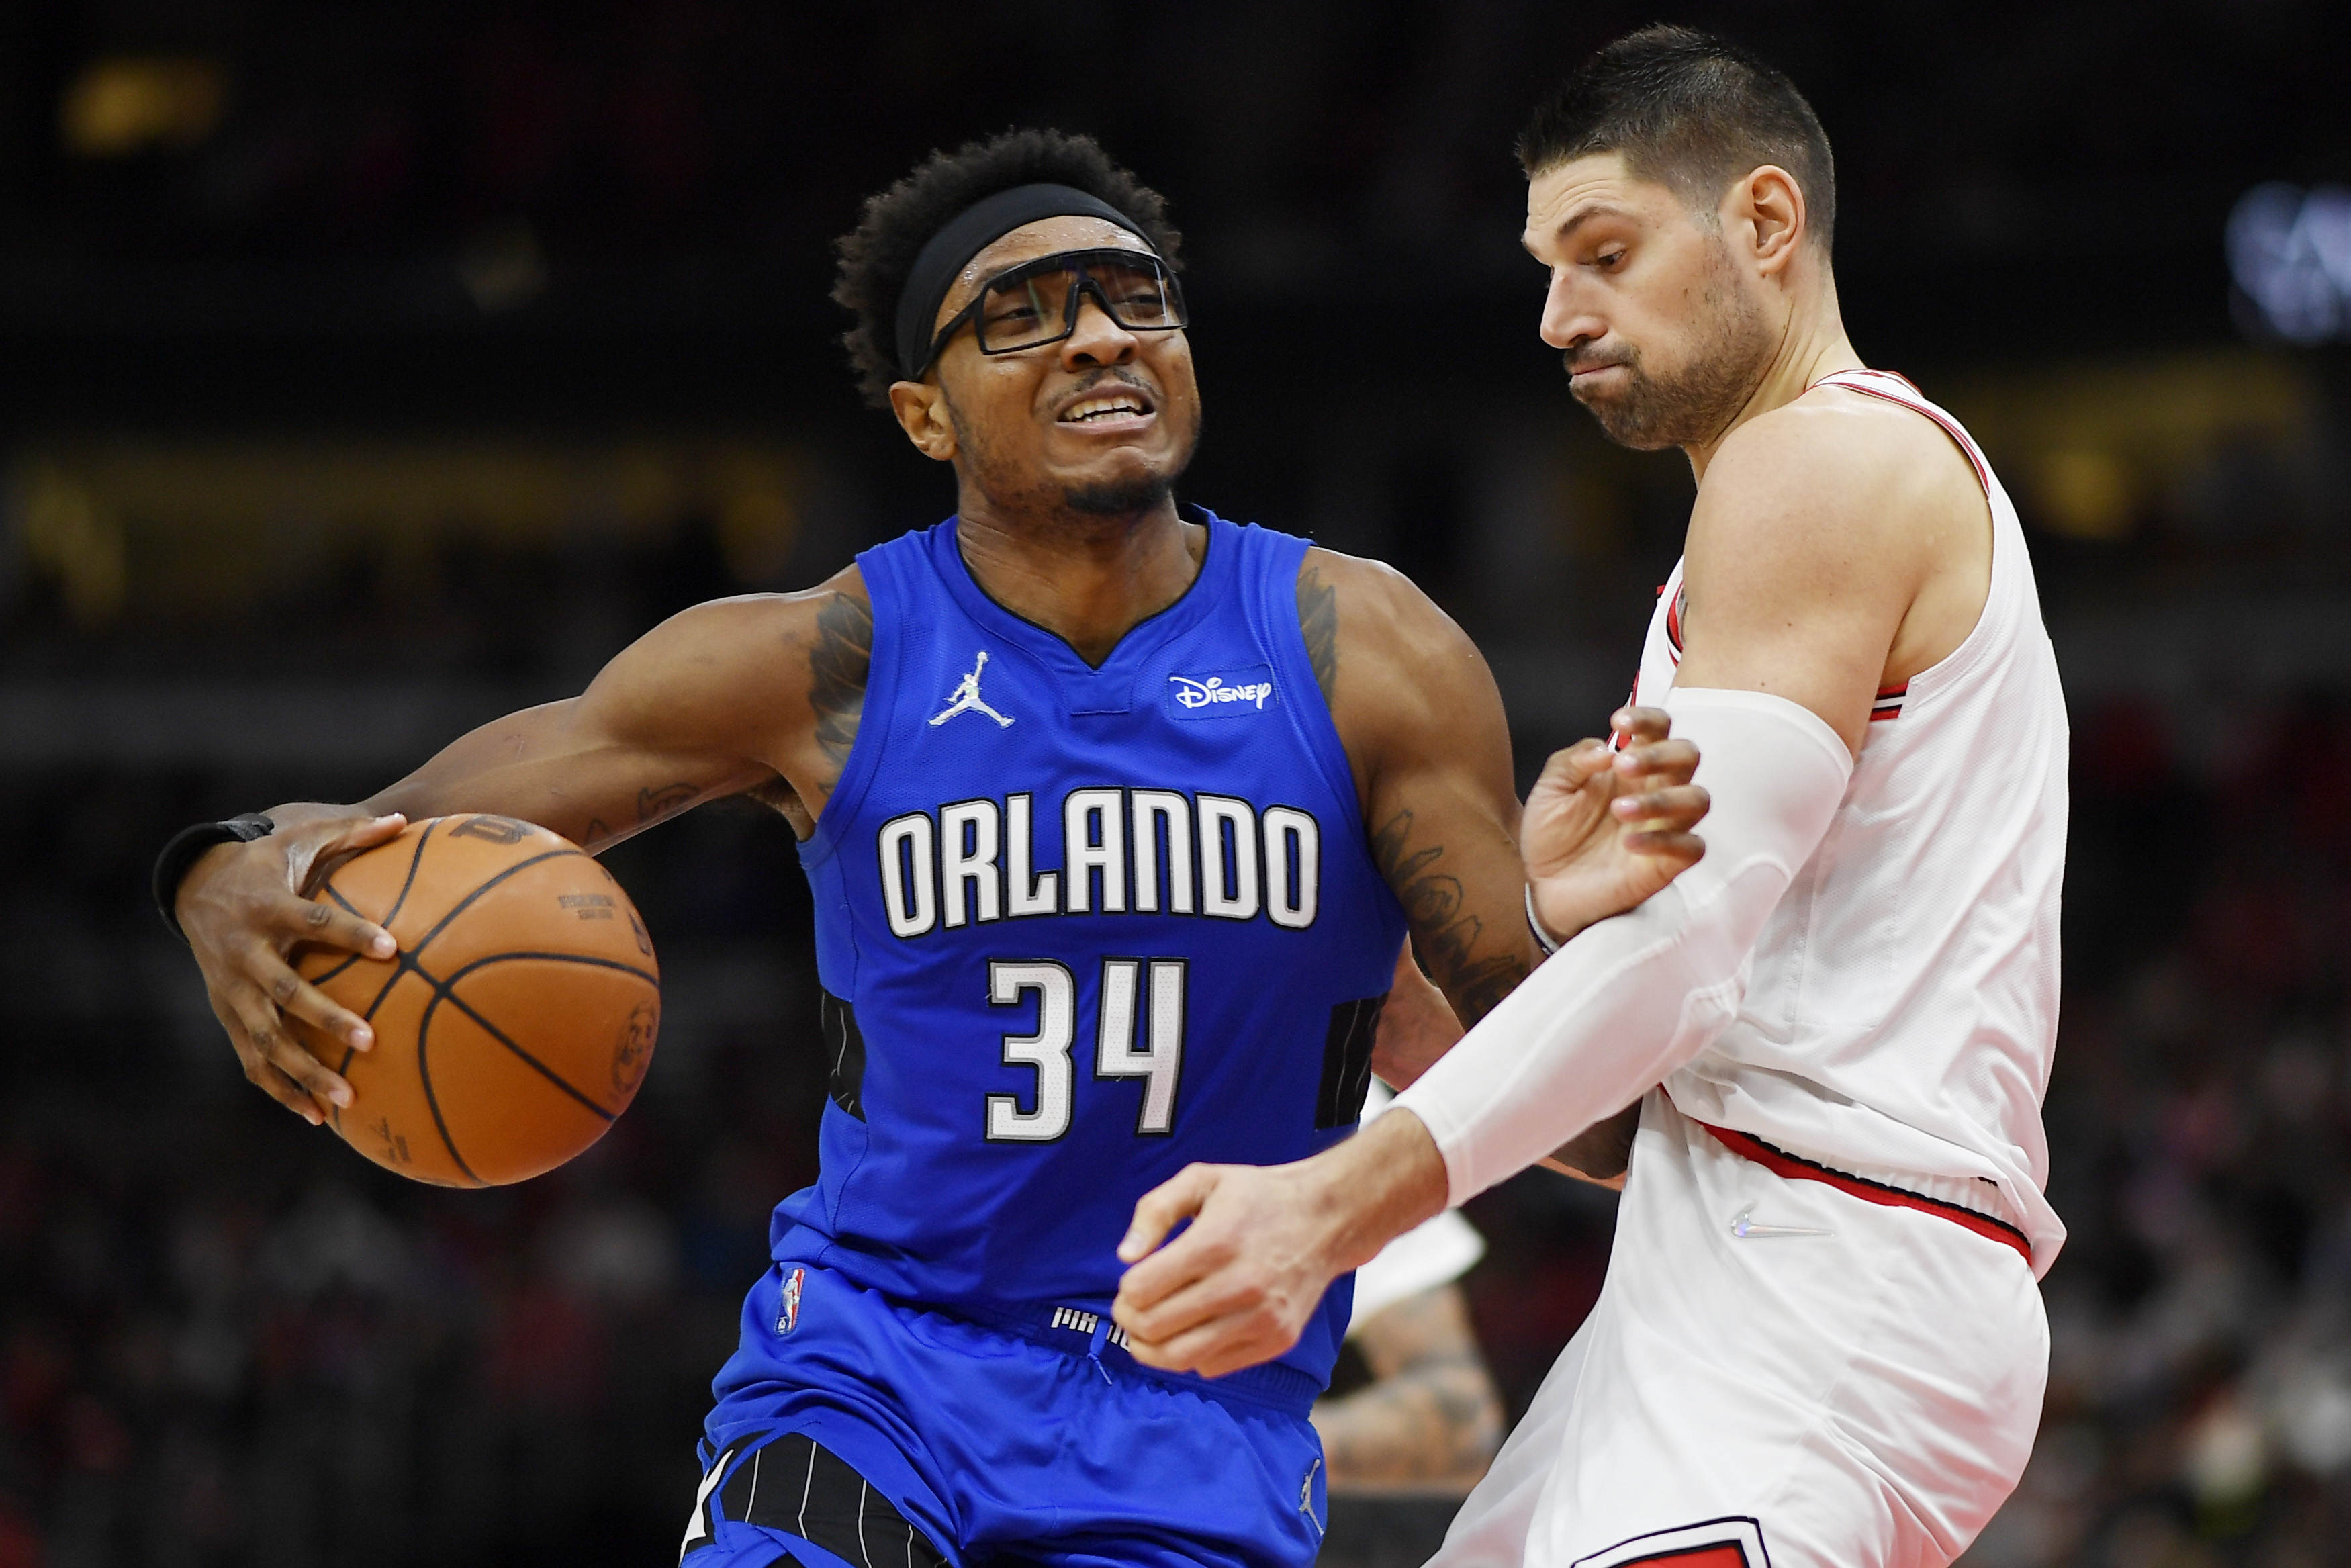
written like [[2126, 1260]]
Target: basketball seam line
[[349, 908], [467, 902], [492, 1029], [424, 1075], [399, 902], [587, 959], [409, 882], [441, 993], [447, 989]]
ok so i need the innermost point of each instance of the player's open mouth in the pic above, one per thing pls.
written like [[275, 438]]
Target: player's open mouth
[[1123, 408]]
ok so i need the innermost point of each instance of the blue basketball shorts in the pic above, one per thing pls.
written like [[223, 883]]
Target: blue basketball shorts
[[854, 1430]]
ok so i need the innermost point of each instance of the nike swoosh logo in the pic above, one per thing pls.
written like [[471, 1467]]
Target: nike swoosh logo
[[1746, 1229]]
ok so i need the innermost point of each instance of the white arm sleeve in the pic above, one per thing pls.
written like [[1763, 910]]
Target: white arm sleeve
[[1633, 998]]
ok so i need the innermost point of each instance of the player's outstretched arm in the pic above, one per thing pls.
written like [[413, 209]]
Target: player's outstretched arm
[[760, 693]]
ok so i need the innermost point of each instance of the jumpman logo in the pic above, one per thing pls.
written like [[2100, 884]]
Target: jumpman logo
[[966, 698]]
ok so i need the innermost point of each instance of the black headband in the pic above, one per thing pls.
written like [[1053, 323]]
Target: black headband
[[967, 233]]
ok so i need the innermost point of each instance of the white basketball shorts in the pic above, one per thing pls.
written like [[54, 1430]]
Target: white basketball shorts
[[1777, 1372]]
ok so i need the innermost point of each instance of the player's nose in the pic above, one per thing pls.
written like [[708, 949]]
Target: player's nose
[[1566, 320], [1097, 339]]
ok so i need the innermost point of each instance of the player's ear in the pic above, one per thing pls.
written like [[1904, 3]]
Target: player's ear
[[922, 411], [1769, 207]]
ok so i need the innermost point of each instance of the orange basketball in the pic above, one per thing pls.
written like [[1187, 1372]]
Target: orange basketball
[[518, 1018]]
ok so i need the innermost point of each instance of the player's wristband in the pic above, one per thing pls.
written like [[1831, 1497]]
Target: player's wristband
[[1543, 938], [172, 865]]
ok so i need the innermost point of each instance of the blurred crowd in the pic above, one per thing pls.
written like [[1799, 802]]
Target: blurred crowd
[[2199, 1400]]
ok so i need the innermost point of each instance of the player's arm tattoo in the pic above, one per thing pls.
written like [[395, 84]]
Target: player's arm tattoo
[[1318, 618], [838, 667], [1447, 931], [1434, 1414], [1439, 1422], [653, 805]]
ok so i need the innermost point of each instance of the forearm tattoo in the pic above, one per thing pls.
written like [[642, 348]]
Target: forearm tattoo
[[1434, 1415], [1444, 929]]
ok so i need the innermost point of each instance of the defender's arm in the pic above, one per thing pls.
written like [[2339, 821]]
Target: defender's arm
[[1422, 725], [758, 693]]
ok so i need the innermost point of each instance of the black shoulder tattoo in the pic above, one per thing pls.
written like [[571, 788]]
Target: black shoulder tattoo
[[1443, 925], [838, 667], [1318, 617]]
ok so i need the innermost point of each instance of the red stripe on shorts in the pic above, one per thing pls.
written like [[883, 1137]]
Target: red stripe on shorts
[[1724, 1556], [1780, 1162]]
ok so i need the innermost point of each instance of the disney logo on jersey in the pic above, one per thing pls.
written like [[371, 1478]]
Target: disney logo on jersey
[[1223, 695], [1200, 694]]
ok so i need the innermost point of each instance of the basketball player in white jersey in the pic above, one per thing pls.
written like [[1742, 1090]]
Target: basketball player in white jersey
[[1821, 1344]]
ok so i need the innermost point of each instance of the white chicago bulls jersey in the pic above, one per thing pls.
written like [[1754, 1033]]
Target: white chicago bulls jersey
[[1902, 1011]]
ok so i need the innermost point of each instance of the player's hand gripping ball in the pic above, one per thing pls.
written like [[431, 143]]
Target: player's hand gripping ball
[[516, 1020]]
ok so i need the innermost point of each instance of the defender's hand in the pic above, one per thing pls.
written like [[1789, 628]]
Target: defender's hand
[[1603, 832], [1264, 1243], [244, 908], [1237, 1286]]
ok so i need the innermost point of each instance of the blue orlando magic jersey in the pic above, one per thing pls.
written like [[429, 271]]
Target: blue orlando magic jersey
[[1080, 928]]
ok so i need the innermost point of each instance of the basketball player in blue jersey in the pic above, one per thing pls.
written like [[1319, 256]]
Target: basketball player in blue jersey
[[1116, 817]]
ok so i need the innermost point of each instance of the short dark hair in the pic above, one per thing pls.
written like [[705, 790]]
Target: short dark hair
[[1690, 110], [876, 256]]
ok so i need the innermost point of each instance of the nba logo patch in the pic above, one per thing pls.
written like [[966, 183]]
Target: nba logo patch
[[790, 1318]]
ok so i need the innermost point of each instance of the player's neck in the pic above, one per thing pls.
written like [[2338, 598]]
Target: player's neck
[[1087, 581], [1811, 344]]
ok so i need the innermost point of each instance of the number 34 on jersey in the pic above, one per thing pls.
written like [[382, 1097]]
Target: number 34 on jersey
[[1140, 996]]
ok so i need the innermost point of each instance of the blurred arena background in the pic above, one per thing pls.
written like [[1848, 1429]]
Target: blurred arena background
[[367, 369]]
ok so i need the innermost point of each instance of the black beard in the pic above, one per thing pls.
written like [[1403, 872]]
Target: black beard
[[1124, 499], [1131, 498]]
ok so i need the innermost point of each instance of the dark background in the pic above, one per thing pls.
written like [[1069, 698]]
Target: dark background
[[367, 370]]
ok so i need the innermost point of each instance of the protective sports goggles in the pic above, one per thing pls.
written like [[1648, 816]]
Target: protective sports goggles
[[1036, 303]]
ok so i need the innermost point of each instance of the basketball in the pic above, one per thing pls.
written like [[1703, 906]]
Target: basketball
[[515, 1022]]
